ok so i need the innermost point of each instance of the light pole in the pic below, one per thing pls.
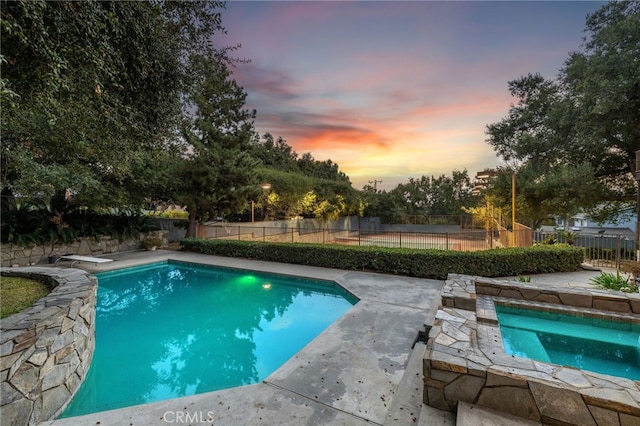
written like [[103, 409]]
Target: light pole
[[265, 187], [252, 211]]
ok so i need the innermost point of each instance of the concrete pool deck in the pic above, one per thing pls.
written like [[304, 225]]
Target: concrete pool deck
[[361, 370], [358, 371]]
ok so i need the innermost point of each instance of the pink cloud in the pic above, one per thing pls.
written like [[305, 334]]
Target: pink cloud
[[394, 88]]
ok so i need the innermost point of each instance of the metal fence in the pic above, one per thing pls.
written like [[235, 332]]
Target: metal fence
[[463, 240], [599, 249]]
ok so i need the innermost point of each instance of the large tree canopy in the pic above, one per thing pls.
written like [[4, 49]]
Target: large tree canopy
[[91, 94], [442, 195], [425, 196], [300, 185], [584, 123]]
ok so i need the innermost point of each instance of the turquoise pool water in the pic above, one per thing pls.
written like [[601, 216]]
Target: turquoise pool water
[[603, 346], [175, 329]]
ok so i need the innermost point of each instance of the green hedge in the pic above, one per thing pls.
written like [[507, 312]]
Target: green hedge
[[434, 264]]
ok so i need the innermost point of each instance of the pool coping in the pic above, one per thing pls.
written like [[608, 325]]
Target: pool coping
[[465, 359], [350, 374]]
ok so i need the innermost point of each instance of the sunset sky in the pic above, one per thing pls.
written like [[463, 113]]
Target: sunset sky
[[390, 89]]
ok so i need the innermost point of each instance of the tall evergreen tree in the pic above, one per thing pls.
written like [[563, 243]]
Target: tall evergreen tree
[[218, 175]]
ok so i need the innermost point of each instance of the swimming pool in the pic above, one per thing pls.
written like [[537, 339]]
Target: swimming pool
[[603, 346], [174, 329]]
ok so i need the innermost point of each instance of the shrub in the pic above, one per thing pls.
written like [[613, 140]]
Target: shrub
[[24, 226], [618, 282], [35, 224], [150, 243], [436, 264], [169, 214], [129, 225]]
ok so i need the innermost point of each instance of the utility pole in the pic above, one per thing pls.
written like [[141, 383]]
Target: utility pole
[[375, 184]]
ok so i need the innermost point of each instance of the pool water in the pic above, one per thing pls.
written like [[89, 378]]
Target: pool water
[[603, 346], [175, 329]]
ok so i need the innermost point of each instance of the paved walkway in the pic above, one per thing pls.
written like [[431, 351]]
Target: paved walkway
[[566, 279], [361, 370]]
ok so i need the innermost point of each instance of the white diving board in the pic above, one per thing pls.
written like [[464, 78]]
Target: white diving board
[[75, 258]]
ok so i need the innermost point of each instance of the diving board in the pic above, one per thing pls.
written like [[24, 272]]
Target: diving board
[[75, 258]]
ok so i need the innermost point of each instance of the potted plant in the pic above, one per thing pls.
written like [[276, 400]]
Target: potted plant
[[150, 243]]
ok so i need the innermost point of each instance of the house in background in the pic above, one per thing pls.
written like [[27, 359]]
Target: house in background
[[625, 224]]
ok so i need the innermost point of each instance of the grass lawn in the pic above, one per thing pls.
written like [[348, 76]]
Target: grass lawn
[[17, 294]]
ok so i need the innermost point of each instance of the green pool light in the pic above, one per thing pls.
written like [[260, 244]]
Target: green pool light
[[247, 279]]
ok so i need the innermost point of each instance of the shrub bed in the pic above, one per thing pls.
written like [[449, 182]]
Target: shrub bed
[[435, 264]]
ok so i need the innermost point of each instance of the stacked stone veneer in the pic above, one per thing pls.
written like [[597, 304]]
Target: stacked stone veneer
[[13, 255], [46, 349], [465, 358]]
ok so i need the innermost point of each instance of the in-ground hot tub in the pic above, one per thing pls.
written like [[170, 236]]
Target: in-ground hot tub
[[574, 339], [466, 361]]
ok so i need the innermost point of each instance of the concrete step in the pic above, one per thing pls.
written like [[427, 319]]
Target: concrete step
[[473, 415], [407, 407], [430, 416], [407, 401]]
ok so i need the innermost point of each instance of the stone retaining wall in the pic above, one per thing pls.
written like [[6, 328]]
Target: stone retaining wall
[[465, 358], [13, 255], [45, 350]]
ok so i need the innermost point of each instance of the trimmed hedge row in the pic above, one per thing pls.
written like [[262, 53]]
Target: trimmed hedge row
[[435, 264]]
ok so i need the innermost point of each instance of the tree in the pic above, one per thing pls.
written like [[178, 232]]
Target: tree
[[91, 96], [561, 191], [274, 153], [91, 99], [391, 206], [584, 124], [321, 169], [442, 195], [287, 191], [218, 176], [300, 185], [604, 84]]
